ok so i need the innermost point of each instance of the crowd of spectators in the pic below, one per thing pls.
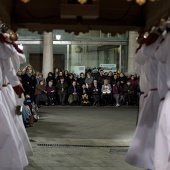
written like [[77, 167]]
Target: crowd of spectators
[[64, 88]]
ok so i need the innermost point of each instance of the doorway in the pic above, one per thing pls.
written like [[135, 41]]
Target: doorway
[[59, 61], [36, 60]]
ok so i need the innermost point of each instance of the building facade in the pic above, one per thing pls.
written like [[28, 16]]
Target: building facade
[[75, 53]]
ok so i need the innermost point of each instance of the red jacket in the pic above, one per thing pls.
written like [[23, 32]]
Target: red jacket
[[117, 90]]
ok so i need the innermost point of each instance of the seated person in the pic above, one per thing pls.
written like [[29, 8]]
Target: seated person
[[26, 115], [84, 95], [62, 90], [73, 92], [28, 109], [106, 92], [96, 92], [51, 92], [129, 93], [117, 93], [41, 93]]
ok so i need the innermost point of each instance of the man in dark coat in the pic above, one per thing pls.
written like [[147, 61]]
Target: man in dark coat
[[62, 90]]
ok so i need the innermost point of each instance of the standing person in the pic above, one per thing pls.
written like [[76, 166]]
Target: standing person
[[81, 80], [56, 76], [100, 77], [29, 81], [71, 79], [162, 144], [14, 141], [89, 84], [60, 74], [122, 80], [62, 90], [75, 77], [66, 76], [117, 93], [115, 79], [142, 149], [110, 77], [134, 84], [50, 77], [89, 80]]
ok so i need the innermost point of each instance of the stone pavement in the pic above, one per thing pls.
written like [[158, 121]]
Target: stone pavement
[[82, 138]]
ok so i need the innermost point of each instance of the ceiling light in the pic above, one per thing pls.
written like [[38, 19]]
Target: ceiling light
[[82, 1], [141, 2], [58, 37], [25, 1]]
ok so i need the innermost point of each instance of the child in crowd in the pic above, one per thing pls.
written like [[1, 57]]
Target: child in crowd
[[106, 92], [51, 91]]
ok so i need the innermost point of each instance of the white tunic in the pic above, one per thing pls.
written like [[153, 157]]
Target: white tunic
[[162, 143], [143, 83], [11, 66], [141, 151], [12, 153]]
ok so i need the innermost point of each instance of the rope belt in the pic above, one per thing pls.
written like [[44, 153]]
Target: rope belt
[[154, 89], [5, 85], [145, 96]]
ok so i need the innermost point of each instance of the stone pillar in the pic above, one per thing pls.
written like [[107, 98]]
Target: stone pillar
[[131, 51], [47, 53]]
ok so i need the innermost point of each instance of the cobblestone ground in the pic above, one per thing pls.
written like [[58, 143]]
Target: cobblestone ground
[[82, 138]]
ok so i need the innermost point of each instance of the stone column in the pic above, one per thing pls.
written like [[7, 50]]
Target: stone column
[[47, 53], [131, 51]]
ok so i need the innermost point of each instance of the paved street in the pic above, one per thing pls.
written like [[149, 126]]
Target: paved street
[[82, 138]]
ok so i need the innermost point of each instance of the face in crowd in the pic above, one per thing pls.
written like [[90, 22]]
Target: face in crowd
[[83, 86], [29, 70], [95, 82], [82, 75], [74, 83], [50, 83], [101, 72], [19, 72], [121, 75], [62, 80], [41, 83], [105, 81]]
